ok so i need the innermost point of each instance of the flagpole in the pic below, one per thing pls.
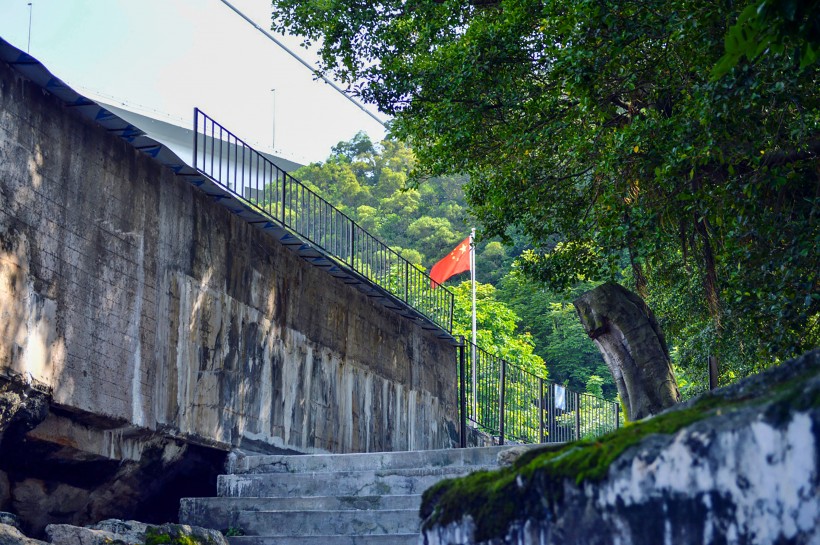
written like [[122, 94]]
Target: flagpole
[[473, 348]]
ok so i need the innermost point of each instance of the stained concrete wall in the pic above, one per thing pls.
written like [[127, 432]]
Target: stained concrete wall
[[136, 299]]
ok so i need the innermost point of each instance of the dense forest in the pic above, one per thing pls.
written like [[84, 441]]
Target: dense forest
[[670, 145], [517, 319]]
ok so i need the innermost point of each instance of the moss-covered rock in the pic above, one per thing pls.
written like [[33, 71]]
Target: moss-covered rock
[[700, 463]]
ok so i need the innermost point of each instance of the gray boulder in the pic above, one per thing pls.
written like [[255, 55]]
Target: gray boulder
[[10, 533], [739, 465], [130, 532]]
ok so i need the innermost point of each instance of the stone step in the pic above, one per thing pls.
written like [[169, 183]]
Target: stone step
[[224, 513], [314, 523], [340, 483], [394, 539], [483, 456], [347, 499]]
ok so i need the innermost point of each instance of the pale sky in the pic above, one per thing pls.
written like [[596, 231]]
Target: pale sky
[[163, 57]]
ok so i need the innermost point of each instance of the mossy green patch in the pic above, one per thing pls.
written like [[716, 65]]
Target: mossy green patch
[[233, 531], [534, 485], [154, 536]]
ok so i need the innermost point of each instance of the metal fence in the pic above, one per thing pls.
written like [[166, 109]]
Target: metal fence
[[497, 397], [511, 404], [247, 174]]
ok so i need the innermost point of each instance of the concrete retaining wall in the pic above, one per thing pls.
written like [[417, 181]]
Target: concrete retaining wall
[[139, 301]]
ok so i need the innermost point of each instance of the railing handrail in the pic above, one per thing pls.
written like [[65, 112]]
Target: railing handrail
[[534, 375], [509, 362], [492, 418], [230, 139]]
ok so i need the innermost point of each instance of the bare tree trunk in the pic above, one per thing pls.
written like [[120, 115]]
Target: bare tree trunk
[[632, 343]]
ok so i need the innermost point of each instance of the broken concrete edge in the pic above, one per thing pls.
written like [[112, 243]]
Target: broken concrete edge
[[28, 388], [112, 531], [25, 382], [24, 402], [29, 407], [535, 484]]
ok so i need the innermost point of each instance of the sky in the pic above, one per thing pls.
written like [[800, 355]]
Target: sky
[[164, 57]]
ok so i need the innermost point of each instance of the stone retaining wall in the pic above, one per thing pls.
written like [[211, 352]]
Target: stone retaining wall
[[142, 305]]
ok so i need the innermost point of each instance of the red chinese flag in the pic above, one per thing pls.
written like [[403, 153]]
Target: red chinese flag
[[453, 263]]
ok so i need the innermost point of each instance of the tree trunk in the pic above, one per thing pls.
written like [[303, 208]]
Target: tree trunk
[[632, 343]]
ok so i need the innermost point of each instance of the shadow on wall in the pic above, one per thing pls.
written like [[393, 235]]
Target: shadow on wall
[[61, 464]]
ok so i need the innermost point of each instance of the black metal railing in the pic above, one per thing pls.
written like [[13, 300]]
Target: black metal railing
[[253, 178], [497, 397], [511, 404]]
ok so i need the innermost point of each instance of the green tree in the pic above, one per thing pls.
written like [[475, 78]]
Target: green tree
[[498, 327], [500, 336], [778, 26], [557, 333], [594, 129], [370, 183]]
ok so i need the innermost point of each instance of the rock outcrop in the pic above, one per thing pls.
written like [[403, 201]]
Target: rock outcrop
[[111, 531], [75, 468], [10, 533], [131, 532], [739, 465]]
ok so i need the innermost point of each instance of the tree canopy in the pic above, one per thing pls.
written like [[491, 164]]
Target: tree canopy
[[597, 130], [517, 319]]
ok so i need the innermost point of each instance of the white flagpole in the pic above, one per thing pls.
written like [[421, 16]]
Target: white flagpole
[[473, 350]]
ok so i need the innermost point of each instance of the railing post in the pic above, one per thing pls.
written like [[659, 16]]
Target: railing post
[[284, 200], [462, 372], [541, 438], [501, 401], [617, 416], [713, 372], [552, 430], [577, 416], [452, 304], [352, 245], [407, 288], [196, 136]]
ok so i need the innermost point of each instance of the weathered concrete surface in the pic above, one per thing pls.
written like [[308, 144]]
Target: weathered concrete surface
[[142, 324], [739, 466], [319, 463], [135, 299]]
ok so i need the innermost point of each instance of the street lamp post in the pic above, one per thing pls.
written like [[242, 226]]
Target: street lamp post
[[273, 123], [30, 9]]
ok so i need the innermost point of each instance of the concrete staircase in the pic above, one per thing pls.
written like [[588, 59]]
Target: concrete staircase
[[341, 499]]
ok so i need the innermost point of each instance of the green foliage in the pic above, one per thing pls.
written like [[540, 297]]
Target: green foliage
[[557, 332], [593, 130], [773, 26], [420, 224], [595, 385], [424, 221], [153, 536], [498, 328]]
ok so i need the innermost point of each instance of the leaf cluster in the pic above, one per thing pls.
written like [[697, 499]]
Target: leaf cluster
[[595, 130]]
